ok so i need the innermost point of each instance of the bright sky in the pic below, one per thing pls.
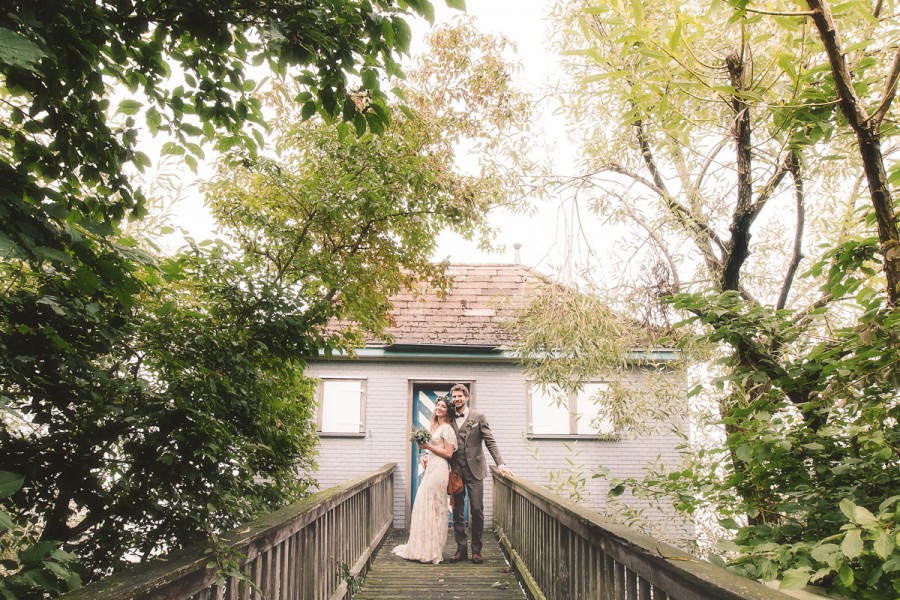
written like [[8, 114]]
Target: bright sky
[[549, 233], [541, 233]]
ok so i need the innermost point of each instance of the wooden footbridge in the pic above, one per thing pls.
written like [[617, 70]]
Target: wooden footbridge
[[336, 545], [393, 578]]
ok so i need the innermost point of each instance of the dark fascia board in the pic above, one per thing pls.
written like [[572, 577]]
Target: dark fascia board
[[442, 348], [422, 353], [479, 354]]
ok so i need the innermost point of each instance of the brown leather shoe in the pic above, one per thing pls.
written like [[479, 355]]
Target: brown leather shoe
[[476, 558], [461, 554]]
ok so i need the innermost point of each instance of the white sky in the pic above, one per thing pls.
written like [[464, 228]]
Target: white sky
[[541, 233]]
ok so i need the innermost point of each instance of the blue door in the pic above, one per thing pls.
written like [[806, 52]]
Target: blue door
[[424, 397]]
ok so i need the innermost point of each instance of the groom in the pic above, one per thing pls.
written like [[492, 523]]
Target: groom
[[472, 430]]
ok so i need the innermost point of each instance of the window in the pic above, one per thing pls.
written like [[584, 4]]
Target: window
[[553, 412], [342, 406]]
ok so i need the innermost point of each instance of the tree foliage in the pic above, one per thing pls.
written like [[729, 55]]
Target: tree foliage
[[67, 136], [752, 147], [148, 400]]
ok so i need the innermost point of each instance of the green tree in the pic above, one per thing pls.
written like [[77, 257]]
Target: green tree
[[185, 66], [152, 405], [738, 139]]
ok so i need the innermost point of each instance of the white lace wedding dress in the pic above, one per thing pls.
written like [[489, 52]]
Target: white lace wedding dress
[[428, 525]]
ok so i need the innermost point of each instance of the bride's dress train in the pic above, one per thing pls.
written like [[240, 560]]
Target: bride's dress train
[[428, 526]]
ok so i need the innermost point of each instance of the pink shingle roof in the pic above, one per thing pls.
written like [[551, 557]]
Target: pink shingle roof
[[482, 297]]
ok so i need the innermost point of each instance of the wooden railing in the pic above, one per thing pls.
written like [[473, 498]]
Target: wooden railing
[[563, 551], [296, 552]]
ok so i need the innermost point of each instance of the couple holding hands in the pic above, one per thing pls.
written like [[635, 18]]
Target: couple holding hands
[[456, 440]]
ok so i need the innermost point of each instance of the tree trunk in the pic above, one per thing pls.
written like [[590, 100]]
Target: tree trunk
[[869, 139]]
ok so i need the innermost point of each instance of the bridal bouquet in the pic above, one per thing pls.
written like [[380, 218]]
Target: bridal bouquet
[[420, 436]]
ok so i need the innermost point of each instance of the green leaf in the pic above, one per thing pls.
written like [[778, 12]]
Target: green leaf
[[794, 579], [894, 175], [864, 517], [10, 483], [852, 546], [823, 552], [154, 119], [402, 34], [637, 12], [786, 62], [359, 124], [887, 502], [375, 124], [370, 79], [191, 130], [37, 552], [172, 149], [308, 110], [18, 51], [6, 521], [141, 161], [387, 32], [846, 575], [848, 508], [427, 10], [60, 571], [729, 523], [727, 546], [457, 4], [884, 545], [129, 107]]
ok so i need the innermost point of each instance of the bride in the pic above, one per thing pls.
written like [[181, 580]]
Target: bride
[[428, 526]]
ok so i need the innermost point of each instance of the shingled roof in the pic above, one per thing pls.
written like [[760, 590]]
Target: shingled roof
[[481, 298]]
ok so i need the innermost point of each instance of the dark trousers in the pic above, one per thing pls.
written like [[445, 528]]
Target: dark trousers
[[475, 488]]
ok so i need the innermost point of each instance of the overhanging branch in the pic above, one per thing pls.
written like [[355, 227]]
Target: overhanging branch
[[869, 140], [794, 165], [890, 90], [700, 232]]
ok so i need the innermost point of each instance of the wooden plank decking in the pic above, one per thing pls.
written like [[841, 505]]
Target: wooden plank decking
[[392, 578]]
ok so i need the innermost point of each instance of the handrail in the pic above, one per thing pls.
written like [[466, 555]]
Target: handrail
[[563, 551], [295, 552]]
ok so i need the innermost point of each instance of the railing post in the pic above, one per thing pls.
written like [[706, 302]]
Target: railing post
[[308, 574], [565, 564], [372, 508]]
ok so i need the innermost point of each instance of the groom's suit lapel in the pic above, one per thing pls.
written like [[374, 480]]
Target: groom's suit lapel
[[463, 432], [464, 428]]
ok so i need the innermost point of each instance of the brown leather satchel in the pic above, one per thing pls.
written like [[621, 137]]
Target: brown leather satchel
[[455, 483]]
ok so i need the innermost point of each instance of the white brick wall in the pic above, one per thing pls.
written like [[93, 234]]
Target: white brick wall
[[499, 392]]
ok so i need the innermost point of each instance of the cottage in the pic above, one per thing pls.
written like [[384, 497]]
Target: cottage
[[369, 404]]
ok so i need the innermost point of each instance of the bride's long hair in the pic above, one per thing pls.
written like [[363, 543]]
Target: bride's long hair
[[434, 418]]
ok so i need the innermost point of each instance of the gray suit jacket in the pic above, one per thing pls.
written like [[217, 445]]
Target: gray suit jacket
[[470, 436]]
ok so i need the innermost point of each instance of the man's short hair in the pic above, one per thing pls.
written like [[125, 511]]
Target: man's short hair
[[460, 388]]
